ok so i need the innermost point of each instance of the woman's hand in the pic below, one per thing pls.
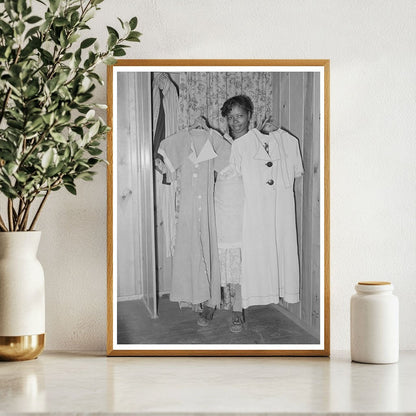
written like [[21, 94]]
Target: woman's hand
[[267, 125]]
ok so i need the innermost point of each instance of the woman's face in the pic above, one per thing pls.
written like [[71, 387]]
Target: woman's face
[[238, 121]]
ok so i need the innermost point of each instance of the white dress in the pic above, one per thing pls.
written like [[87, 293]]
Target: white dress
[[270, 261]]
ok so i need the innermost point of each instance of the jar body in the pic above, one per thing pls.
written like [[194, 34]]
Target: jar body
[[22, 296], [374, 325]]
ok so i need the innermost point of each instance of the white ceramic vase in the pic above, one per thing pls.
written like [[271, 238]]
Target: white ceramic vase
[[22, 296], [374, 323]]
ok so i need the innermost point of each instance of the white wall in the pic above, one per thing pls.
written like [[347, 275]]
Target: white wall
[[373, 146]]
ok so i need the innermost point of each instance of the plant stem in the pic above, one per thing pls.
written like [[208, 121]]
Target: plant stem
[[39, 209], [36, 144], [9, 91], [10, 213], [2, 224], [26, 216], [20, 213]]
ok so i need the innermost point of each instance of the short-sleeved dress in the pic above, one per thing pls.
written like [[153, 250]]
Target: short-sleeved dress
[[195, 155], [270, 262]]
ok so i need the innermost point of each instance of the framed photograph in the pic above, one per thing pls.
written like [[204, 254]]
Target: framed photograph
[[218, 208]]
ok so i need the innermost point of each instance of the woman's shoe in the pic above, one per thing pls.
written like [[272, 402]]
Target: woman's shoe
[[237, 322], [205, 316]]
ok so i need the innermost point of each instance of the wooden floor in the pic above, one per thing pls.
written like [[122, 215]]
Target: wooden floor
[[264, 325]]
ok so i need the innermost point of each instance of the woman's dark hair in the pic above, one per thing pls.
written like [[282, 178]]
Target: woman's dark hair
[[241, 100]]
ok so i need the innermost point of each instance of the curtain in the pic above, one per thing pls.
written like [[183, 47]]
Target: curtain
[[204, 93]]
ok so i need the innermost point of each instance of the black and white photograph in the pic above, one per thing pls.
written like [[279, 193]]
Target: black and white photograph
[[217, 208]]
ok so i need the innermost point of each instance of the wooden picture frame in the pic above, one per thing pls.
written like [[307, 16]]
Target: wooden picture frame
[[296, 93]]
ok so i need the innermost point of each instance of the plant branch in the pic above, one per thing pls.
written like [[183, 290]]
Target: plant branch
[[20, 213], [36, 144], [2, 224], [26, 216], [10, 213], [9, 91], [39, 209]]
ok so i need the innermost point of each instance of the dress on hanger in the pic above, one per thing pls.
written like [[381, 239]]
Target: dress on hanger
[[165, 123], [194, 155], [269, 165]]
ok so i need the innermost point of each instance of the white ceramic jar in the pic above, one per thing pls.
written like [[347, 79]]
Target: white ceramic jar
[[374, 323], [22, 296]]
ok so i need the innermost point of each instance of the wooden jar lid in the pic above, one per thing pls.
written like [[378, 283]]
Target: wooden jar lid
[[374, 283]]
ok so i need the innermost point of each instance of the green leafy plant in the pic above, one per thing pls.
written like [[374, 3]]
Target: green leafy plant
[[50, 134]]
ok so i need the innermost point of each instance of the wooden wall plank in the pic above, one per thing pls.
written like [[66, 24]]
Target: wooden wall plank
[[307, 202], [126, 283], [145, 191], [284, 115], [316, 209], [285, 100], [296, 127], [276, 97]]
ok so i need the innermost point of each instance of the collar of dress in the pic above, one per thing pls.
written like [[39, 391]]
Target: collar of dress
[[275, 150], [207, 152]]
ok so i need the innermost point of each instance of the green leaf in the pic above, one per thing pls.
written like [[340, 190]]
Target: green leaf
[[33, 19], [70, 188], [94, 151], [61, 21], [133, 37], [121, 22], [86, 176], [20, 28], [7, 30], [11, 168], [110, 61], [74, 18], [119, 51], [60, 138], [112, 40], [133, 23], [48, 118], [35, 125], [21, 5], [73, 38], [47, 158], [87, 42], [90, 114], [63, 41], [111, 30], [32, 31], [21, 176], [94, 129], [54, 4]]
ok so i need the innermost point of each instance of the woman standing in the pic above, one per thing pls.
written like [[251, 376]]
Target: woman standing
[[229, 204]]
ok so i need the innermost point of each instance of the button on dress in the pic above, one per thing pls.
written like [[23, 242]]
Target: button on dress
[[270, 260], [194, 155]]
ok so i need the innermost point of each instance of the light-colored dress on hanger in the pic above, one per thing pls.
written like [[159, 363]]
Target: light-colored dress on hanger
[[270, 261], [194, 155]]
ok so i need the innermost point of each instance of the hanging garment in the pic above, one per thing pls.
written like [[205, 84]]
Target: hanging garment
[[229, 203], [165, 123], [194, 155], [270, 261], [160, 125]]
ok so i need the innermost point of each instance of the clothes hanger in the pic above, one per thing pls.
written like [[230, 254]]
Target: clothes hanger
[[268, 125], [199, 123]]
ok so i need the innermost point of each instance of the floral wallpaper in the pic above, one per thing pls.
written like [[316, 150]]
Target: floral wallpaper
[[204, 93]]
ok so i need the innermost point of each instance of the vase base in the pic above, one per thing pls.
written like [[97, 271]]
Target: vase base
[[20, 348]]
